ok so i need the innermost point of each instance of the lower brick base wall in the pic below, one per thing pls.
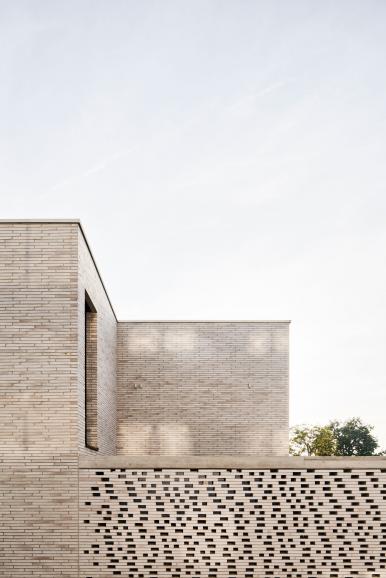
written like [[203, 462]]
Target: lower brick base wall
[[38, 516], [224, 523]]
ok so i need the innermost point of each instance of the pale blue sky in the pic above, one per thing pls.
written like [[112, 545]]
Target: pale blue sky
[[227, 160]]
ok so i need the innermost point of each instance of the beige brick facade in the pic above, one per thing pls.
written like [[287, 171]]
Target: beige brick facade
[[202, 388], [39, 515], [45, 269], [90, 282], [211, 394], [38, 373], [38, 356]]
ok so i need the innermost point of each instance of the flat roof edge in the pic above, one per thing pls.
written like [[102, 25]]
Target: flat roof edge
[[251, 462], [37, 221], [204, 321], [96, 267]]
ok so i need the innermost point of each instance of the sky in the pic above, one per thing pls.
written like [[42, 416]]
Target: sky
[[227, 160]]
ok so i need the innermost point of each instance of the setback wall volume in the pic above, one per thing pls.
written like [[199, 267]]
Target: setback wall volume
[[202, 388]]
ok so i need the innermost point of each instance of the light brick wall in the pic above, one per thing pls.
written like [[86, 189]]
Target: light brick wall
[[38, 381], [202, 388], [39, 516], [45, 269], [38, 349], [106, 359], [266, 523]]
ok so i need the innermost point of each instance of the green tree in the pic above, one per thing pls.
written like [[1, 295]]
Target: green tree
[[354, 438], [312, 441], [350, 438]]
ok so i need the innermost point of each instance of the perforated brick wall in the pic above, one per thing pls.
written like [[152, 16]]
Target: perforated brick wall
[[243, 523], [202, 388]]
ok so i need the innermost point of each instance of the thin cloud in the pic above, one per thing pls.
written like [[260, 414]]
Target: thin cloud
[[247, 100], [97, 168]]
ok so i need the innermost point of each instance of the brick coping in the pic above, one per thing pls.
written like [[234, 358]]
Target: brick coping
[[248, 462]]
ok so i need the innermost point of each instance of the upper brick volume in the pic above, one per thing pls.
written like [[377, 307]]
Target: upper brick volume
[[75, 379]]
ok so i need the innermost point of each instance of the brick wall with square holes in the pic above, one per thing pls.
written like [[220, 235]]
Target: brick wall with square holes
[[268, 523]]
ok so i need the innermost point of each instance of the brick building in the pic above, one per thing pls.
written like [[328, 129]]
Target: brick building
[[144, 448]]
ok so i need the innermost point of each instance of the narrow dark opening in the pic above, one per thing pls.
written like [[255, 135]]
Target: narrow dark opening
[[90, 375]]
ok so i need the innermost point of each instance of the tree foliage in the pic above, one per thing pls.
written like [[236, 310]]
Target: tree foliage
[[349, 438], [354, 438], [313, 441]]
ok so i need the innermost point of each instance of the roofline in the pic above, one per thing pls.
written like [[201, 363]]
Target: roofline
[[96, 268], [69, 222], [37, 221], [205, 321], [225, 462], [78, 222]]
